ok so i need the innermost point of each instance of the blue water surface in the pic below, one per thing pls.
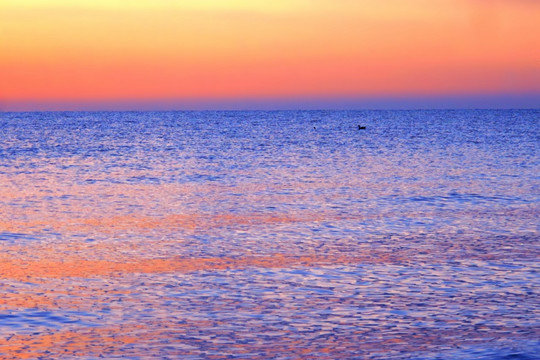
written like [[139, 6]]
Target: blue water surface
[[416, 237]]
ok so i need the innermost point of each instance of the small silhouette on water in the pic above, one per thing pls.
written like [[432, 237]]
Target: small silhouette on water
[[360, 127]]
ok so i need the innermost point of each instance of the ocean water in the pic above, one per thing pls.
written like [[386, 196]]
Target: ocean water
[[270, 235]]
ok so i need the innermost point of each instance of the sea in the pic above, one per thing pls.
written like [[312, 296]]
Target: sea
[[270, 235]]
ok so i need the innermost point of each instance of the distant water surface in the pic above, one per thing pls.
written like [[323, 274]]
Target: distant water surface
[[283, 235]]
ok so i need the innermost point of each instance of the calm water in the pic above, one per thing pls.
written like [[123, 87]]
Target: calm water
[[283, 235]]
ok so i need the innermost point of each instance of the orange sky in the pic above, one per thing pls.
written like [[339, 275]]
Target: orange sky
[[93, 50]]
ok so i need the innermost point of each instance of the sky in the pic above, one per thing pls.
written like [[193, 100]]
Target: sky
[[167, 54]]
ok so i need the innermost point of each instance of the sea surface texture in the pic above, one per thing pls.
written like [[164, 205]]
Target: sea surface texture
[[270, 235]]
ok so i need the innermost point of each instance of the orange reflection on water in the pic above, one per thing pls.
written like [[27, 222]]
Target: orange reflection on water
[[72, 267], [129, 222], [136, 223], [67, 343], [133, 339]]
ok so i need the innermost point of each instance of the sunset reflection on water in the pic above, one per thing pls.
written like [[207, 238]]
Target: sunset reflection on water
[[156, 236]]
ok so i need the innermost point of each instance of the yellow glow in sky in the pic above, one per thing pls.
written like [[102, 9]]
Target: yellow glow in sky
[[114, 49], [207, 5]]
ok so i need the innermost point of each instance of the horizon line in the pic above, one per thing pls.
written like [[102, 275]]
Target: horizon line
[[524, 101]]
